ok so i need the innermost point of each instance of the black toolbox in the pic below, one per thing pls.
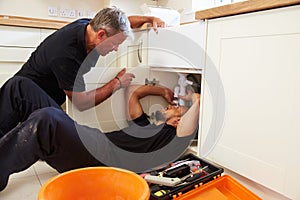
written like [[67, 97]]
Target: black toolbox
[[206, 173], [193, 178]]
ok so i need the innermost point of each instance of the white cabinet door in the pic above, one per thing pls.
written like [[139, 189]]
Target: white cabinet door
[[134, 51], [11, 60], [16, 46], [251, 113], [179, 47], [19, 36]]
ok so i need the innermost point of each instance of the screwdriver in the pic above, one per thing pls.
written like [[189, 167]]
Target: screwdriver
[[195, 175]]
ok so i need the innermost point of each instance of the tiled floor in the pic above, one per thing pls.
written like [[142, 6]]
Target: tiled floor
[[26, 185]]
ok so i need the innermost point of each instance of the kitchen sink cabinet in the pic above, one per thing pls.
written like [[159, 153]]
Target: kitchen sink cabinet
[[176, 51], [250, 119]]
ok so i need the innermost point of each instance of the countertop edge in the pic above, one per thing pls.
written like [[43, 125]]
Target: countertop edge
[[31, 22], [243, 7], [43, 23]]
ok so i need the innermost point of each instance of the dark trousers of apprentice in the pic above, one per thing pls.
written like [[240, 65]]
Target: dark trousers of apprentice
[[19, 97], [48, 134]]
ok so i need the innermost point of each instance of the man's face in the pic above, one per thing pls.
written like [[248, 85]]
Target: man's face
[[173, 114], [110, 44], [174, 111]]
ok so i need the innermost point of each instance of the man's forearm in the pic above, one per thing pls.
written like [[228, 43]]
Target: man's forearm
[[138, 21], [104, 92], [86, 100]]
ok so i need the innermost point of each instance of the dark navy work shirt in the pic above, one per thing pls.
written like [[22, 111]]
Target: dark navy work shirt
[[55, 64]]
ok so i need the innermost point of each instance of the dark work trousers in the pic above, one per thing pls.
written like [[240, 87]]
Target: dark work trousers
[[19, 97], [48, 134]]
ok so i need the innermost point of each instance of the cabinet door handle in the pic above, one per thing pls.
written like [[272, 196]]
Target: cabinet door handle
[[139, 52]]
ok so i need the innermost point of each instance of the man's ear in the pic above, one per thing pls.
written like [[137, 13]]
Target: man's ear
[[101, 34]]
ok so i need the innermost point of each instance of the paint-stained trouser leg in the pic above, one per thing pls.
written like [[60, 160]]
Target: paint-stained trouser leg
[[48, 134]]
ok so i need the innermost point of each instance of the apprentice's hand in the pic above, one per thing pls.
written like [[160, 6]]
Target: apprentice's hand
[[191, 96], [125, 78], [168, 95]]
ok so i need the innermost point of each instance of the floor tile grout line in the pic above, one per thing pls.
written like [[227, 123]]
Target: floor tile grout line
[[36, 173]]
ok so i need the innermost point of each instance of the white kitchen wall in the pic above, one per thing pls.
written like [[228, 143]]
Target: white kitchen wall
[[39, 9], [206, 4], [132, 7], [184, 8], [187, 8]]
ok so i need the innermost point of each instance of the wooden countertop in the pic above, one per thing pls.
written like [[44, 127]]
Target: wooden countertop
[[31, 22], [43, 23], [243, 7]]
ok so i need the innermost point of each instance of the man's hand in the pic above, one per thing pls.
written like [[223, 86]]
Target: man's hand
[[125, 78], [168, 95], [157, 23], [138, 21], [191, 96]]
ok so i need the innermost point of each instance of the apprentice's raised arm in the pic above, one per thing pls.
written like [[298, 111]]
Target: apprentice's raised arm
[[135, 92], [189, 121]]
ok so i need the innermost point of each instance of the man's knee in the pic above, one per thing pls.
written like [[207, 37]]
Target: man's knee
[[45, 122], [48, 113], [17, 85], [16, 80], [46, 118]]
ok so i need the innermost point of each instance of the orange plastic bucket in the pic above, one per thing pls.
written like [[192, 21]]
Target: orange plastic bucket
[[95, 183]]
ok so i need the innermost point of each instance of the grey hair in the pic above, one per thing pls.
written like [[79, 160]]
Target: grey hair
[[112, 20]]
